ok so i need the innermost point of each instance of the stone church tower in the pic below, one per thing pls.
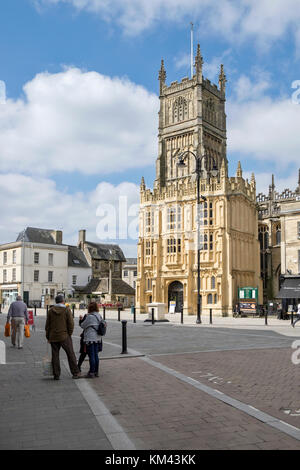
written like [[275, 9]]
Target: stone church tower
[[192, 118]]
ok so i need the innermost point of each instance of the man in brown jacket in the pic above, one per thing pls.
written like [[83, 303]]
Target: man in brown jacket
[[59, 328]]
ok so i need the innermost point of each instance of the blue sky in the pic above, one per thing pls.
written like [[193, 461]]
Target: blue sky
[[71, 66]]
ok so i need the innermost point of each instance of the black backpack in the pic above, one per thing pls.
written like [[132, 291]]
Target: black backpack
[[102, 327]]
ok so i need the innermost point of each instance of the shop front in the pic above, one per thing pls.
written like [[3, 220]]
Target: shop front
[[9, 294]]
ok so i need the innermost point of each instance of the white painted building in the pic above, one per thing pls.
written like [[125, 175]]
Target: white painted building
[[129, 271], [79, 270], [35, 266]]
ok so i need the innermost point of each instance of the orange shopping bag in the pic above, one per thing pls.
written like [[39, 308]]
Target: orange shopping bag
[[7, 329], [27, 331]]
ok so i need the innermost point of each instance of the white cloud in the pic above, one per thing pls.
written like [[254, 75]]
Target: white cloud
[[2, 92], [78, 121], [264, 180], [37, 202], [263, 21]]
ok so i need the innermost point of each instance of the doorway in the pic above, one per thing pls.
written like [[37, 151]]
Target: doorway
[[175, 294]]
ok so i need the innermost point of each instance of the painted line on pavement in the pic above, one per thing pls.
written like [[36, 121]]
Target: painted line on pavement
[[109, 425], [248, 409]]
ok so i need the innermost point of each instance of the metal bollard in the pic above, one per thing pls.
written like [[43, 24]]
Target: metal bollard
[[292, 317], [47, 308], [119, 313], [103, 313], [124, 337], [266, 316], [0, 308], [35, 310], [134, 315], [152, 311], [181, 317], [73, 310], [210, 316]]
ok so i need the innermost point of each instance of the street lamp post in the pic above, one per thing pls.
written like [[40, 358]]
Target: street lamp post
[[213, 172]]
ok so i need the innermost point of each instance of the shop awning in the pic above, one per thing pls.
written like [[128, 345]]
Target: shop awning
[[290, 288]]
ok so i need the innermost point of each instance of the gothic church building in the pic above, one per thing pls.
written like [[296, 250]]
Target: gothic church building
[[192, 119]]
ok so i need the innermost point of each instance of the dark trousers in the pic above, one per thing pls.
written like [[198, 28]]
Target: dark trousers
[[92, 350], [81, 359], [67, 346]]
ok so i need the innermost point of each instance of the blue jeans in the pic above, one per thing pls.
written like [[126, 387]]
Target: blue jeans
[[92, 350]]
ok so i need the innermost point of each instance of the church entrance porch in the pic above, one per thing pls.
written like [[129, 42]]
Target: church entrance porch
[[175, 295]]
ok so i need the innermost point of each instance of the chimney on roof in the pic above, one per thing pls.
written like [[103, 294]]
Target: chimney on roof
[[81, 239], [58, 236]]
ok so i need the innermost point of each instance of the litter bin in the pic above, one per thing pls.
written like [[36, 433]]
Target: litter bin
[[132, 309]]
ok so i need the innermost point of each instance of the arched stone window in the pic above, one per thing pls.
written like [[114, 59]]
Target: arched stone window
[[209, 299], [213, 282], [180, 109]]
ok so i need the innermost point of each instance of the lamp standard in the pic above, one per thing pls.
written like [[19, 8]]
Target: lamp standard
[[213, 172]]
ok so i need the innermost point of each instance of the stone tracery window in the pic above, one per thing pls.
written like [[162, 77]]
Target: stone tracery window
[[180, 109]]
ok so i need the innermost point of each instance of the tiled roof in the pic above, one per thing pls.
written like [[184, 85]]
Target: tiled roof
[[103, 251], [37, 235], [76, 258]]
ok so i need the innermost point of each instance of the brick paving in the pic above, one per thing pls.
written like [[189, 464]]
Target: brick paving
[[155, 409], [158, 411], [266, 378]]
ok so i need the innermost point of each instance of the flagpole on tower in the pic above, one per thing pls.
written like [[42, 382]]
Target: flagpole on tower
[[192, 48]]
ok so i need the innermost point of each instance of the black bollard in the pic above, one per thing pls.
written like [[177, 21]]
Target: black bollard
[[210, 316], [152, 310], [124, 337], [134, 315], [119, 313], [103, 313], [292, 317], [73, 310], [182, 317], [47, 308], [266, 316], [35, 310], [0, 308]]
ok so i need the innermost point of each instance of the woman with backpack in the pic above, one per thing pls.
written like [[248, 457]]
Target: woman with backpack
[[92, 340]]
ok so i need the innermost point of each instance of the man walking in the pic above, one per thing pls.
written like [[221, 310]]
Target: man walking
[[19, 317], [59, 328]]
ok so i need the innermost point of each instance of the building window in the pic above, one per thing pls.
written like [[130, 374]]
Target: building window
[[149, 284], [5, 257], [134, 284], [211, 242], [4, 275], [36, 258], [174, 245], [50, 276], [298, 229], [215, 298], [134, 273], [174, 218], [14, 274], [14, 256], [148, 248], [74, 280], [206, 213], [209, 299], [36, 276], [203, 242], [50, 259], [213, 282], [149, 221], [125, 273]]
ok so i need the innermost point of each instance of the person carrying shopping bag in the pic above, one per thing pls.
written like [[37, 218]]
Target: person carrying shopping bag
[[92, 339], [19, 317]]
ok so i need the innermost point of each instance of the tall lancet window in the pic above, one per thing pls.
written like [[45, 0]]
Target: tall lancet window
[[180, 109]]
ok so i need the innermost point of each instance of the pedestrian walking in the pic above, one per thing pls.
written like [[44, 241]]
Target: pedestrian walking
[[298, 314], [59, 328], [19, 317], [91, 339]]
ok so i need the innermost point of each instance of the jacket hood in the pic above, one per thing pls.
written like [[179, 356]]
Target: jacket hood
[[58, 310]]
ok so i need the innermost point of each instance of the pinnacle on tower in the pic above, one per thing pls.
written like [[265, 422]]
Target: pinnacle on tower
[[162, 76], [252, 181], [298, 188], [198, 64], [142, 186], [239, 172], [222, 79]]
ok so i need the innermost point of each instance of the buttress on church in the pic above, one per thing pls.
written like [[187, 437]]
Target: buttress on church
[[192, 119]]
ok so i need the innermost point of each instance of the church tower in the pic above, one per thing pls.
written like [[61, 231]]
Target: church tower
[[192, 119]]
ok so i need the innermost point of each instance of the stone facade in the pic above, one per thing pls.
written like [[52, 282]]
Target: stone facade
[[192, 118], [279, 232]]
